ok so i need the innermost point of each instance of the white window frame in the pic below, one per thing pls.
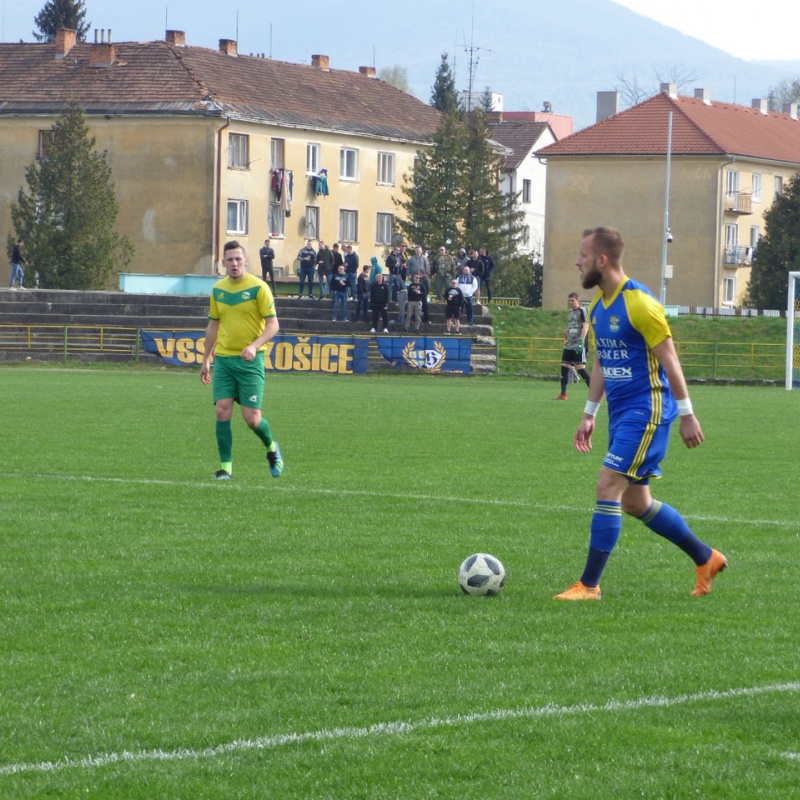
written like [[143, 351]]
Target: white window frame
[[277, 153], [386, 169], [732, 182], [348, 164], [729, 290], [239, 209], [312, 222], [778, 185], [755, 235], [277, 221], [44, 143], [526, 190], [756, 187], [348, 225], [313, 158], [384, 228], [238, 151]]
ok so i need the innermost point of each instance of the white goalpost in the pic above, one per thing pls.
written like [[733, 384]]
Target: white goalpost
[[793, 332]]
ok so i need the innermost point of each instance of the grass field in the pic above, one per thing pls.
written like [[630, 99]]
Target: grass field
[[166, 636]]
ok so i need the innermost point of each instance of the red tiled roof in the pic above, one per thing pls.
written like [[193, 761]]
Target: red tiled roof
[[519, 136], [160, 77], [698, 129]]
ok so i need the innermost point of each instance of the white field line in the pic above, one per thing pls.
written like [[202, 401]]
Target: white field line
[[389, 729], [309, 490]]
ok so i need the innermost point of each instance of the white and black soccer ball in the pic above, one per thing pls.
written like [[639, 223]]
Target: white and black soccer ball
[[481, 574]]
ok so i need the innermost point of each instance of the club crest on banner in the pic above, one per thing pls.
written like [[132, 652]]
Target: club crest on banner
[[431, 360]]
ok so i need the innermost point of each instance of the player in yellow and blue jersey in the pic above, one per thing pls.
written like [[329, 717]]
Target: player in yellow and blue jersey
[[637, 369], [241, 320]]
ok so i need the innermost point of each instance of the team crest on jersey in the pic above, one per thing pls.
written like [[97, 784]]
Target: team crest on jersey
[[613, 323], [245, 295], [429, 360]]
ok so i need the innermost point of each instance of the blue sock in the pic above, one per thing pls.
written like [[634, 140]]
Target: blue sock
[[667, 522], [606, 528]]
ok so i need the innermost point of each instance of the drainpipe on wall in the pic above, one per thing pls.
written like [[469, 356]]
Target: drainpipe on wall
[[218, 210]]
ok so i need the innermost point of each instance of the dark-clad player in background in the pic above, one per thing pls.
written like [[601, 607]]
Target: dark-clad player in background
[[638, 371]]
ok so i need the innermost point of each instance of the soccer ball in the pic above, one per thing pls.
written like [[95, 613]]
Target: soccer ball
[[481, 574]]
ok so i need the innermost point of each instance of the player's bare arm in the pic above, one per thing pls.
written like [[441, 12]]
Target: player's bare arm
[[691, 432]]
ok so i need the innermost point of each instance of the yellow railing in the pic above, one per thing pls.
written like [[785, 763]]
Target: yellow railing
[[701, 360]]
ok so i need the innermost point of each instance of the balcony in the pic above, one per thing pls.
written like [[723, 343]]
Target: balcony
[[737, 256], [738, 202]]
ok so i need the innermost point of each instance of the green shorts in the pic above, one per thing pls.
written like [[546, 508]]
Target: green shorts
[[242, 380]]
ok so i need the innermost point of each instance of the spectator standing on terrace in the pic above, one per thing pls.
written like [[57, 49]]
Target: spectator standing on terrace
[[324, 268], [476, 269], [461, 259], [468, 285], [267, 257], [17, 260], [418, 264], [443, 267], [399, 293], [241, 320], [379, 300], [308, 260], [637, 369], [416, 296], [339, 285], [351, 269], [362, 287], [454, 298], [488, 271]]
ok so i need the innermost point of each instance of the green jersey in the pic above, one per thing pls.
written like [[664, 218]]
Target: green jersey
[[241, 308]]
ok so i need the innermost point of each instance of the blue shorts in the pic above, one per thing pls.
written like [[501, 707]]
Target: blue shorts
[[636, 446]]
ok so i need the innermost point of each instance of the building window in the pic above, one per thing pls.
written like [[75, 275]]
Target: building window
[[386, 168], [312, 222], [348, 164], [755, 235], [275, 219], [348, 225], [384, 229], [237, 216], [44, 144], [778, 186], [526, 191], [732, 182], [756, 187], [276, 153], [238, 151], [312, 158], [729, 291]]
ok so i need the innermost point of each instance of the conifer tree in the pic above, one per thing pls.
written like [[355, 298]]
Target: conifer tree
[[61, 14], [444, 97], [68, 215], [778, 251]]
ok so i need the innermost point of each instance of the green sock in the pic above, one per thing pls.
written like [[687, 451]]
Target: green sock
[[264, 432], [225, 443]]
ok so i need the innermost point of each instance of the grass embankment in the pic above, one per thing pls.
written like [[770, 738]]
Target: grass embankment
[[722, 348]]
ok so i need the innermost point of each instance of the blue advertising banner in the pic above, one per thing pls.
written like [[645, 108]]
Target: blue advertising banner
[[427, 353], [344, 355]]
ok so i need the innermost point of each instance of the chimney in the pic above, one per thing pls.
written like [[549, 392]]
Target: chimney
[[607, 105], [228, 46], [368, 71], [790, 109], [760, 104], [102, 53], [669, 88], [65, 41], [176, 38], [704, 95], [321, 62]]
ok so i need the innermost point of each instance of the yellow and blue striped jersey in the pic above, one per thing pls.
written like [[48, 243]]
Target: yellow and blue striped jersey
[[241, 308], [625, 329]]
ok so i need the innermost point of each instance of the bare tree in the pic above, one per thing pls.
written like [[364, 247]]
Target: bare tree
[[396, 76], [787, 91], [633, 91]]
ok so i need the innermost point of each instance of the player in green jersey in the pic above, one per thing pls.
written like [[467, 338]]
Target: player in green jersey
[[241, 320]]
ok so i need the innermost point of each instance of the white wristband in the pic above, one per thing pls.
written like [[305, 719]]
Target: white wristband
[[591, 408], [684, 407]]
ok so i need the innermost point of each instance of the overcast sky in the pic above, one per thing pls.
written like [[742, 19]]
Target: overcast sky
[[766, 29]]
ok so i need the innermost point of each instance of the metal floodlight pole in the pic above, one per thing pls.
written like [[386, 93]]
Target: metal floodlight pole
[[665, 232], [791, 318]]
